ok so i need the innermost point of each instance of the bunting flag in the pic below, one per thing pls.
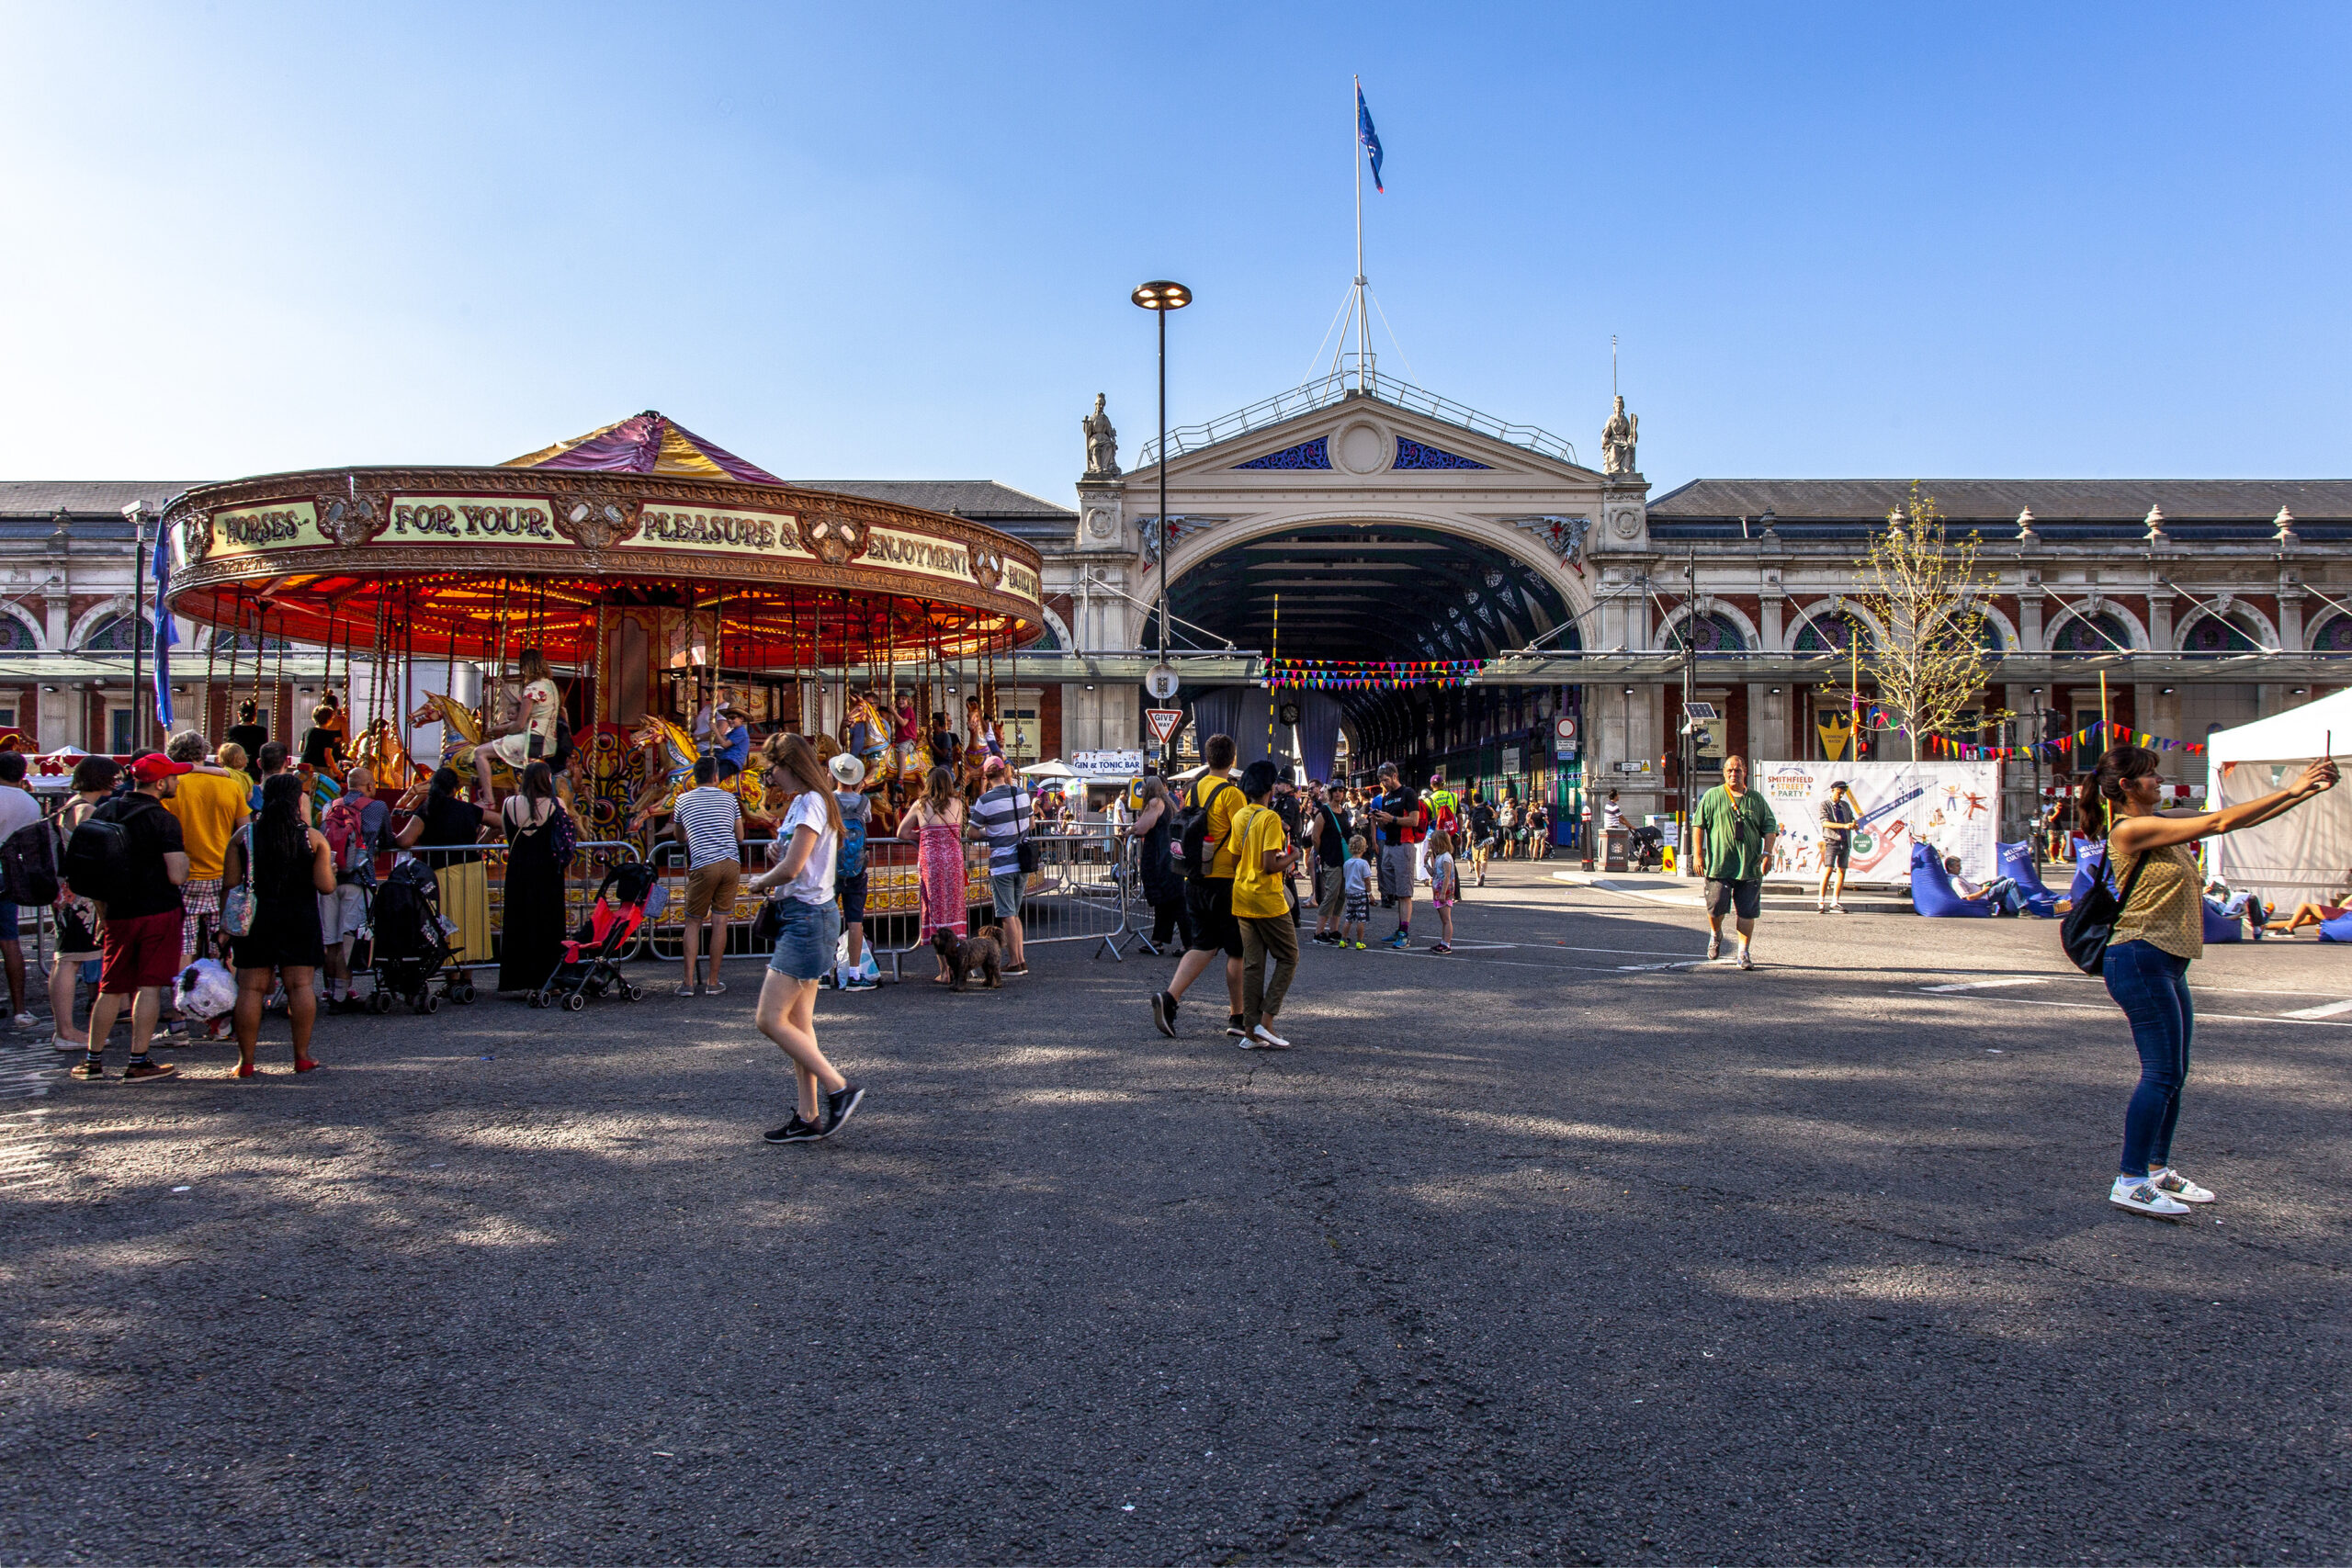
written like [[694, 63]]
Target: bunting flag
[[2052, 749], [1360, 675]]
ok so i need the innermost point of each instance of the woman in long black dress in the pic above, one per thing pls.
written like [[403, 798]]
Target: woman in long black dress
[[446, 817], [1163, 884], [290, 867], [533, 936]]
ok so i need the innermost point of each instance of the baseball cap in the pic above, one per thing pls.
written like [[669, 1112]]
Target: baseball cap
[[994, 765], [848, 769], [1437, 778], [155, 765]]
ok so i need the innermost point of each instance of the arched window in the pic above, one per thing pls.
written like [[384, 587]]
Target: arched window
[[2096, 633], [2336, 637], [1711, 633], [243, 643], [2216, 633], [16, 637], [113, 635], [1831, 633]]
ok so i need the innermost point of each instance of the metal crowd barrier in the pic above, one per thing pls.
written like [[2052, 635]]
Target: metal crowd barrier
[[1083, 890], [590, 859]]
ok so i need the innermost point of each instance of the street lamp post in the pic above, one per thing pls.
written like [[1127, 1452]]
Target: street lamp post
[[1159, 298]]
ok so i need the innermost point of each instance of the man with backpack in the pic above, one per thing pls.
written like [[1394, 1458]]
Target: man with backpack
[[355, 826], [1208, 857], [18, 811], [129, 857], [1402, 819], [849, 871], [210, 803]]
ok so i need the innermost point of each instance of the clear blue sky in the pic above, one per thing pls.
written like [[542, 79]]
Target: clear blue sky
[[869, 242]]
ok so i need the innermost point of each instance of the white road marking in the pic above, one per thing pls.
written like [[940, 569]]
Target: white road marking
[[2202, 1017], [2328, 1009], [2012, 980]]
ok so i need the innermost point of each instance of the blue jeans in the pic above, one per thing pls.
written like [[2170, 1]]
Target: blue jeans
[[2151, 987], [805, 942], [2004, 895]]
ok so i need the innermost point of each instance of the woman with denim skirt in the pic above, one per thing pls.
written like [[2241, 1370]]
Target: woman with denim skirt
[[809, 927], [2159, 930]]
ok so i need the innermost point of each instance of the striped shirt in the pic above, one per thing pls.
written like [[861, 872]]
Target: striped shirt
[[712, 819], [1003, 816]]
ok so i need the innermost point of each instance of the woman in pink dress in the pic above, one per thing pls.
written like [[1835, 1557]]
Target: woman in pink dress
[[935, 822]]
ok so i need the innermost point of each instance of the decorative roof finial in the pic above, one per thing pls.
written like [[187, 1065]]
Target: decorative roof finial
[[2026, 536], [2286, 521], [2156, 525]]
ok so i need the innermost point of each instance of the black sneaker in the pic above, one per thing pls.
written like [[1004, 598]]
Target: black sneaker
[[1234, 1029], [839, 1105], [147, 1072], [1163, 1014], [794, 1132], [90, 1071]]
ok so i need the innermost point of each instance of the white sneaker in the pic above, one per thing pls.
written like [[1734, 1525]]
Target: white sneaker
[[2169, 1180], [59, 1043], [1836, 908], [2139, 1194], [23, 1021], [1822, 908], [1267, 1038]]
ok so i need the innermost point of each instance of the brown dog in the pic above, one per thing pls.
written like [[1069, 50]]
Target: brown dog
[[984, 953]]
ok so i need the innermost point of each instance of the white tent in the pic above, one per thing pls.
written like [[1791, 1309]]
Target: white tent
[[1050, 769], [2307, 854]]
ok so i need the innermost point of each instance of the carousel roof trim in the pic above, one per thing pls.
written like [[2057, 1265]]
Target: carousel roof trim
[[647, 443]]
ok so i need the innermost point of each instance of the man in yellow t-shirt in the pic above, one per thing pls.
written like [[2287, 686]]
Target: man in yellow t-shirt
[[1208, 899], [1263, 856], [210, 803]]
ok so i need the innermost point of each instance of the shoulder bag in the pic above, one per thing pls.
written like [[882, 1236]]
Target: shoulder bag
[[237, 903], [2090, 923]]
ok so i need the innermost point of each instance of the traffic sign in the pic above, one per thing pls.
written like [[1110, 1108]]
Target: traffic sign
[[1163, 722], [1162, 682]]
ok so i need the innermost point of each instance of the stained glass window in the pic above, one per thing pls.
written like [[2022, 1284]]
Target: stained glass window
[[1713, 633], [2097, 633], [2215, 634], [2336, 637], [16, 637], [1414, 454], [1831, 634], [113, 636], [1314, 454]]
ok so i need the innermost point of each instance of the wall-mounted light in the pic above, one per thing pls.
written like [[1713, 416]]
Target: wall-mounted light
[[49, 688], [2300, 689], [2167, 691]]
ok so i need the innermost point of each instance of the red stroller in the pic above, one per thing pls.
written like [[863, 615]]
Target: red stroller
[[591, 961]]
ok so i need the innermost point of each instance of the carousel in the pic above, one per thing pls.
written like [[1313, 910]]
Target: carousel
[[681, 599]]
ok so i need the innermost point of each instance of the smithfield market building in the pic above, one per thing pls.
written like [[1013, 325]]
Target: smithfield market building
[[1562, 621]]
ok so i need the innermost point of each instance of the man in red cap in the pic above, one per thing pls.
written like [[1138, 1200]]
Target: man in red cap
[[139, 951]]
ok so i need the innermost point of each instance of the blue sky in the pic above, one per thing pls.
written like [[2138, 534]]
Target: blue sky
[[867, 241]]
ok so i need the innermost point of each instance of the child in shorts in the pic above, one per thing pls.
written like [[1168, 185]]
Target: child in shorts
[[1445, 888], [1357, 872]]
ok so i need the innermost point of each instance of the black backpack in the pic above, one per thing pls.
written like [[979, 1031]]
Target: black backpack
[[1193, 857], [97, 857], [2086, 930], [29, 864]]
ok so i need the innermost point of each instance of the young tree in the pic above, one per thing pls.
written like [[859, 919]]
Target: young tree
[[1922, 585]]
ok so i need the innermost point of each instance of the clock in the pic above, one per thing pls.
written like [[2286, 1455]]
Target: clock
[[1288, 712]]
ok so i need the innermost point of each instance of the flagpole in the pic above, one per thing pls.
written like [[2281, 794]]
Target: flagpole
[[1356, 148]]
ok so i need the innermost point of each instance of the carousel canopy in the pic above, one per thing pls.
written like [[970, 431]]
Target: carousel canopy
[[736, 566], [647, 443]]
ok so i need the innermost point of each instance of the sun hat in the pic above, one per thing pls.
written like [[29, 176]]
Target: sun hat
[[848, 769]]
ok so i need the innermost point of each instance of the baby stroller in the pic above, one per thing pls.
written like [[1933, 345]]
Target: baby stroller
[[411, 943], [1649, 845], [591, 960]]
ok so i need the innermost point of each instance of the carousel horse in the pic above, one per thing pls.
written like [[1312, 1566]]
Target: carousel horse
[[461, 731], [382, 754], [670, 755], [875, 746]]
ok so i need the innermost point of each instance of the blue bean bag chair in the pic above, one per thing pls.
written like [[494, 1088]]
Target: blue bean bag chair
[[1933, 893], [2220, 927], [2017, 863], [2336, 930]]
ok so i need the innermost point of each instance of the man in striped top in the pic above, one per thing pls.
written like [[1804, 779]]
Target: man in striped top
[[1000, 815], [709, 821]]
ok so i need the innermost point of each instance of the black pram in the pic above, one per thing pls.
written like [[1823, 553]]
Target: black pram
[[1649, 848], [412, 948]]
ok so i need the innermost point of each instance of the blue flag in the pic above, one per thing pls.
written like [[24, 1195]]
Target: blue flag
[[165, 633], [1370, 138]]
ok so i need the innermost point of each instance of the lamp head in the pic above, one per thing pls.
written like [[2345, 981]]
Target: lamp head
[[1161, 296]]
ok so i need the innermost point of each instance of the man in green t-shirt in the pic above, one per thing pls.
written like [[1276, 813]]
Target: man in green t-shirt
[[1736, 831]]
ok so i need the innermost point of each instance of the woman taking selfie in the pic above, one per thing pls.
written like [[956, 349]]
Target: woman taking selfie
[[2152, 863]]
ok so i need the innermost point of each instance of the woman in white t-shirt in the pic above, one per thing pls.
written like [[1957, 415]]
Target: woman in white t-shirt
[[808, 929]]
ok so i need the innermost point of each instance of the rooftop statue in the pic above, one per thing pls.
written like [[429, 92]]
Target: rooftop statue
[[1102, 444], [1617, 441]]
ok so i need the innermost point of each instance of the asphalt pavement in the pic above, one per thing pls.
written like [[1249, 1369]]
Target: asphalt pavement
[[1564, 1248]]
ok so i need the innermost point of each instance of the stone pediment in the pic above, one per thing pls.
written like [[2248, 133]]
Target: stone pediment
[[1367, 442]]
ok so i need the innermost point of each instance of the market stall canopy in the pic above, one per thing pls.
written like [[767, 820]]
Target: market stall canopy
[[479, 562], [2307, 854], [648, 443], [1056, 769]]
